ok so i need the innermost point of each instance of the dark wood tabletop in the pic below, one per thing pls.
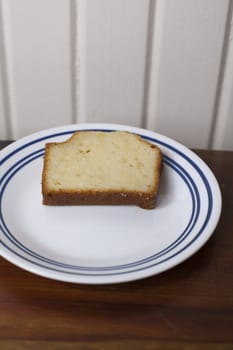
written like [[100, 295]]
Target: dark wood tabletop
[[188, 307]]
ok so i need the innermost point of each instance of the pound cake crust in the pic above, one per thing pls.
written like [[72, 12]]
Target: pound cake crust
[[101, 168]]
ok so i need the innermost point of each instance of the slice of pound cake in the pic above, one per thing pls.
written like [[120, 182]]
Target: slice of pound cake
[[95, 167]]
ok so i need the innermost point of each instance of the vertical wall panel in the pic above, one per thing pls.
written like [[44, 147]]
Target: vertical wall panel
[[186, 59], [113, 54], [223, 126], [4, 126], [4, 132], [38, 53]]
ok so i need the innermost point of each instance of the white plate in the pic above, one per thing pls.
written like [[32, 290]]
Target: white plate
[[104, 244]]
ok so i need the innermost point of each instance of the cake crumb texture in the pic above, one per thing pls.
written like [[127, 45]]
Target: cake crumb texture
[[93, 164]]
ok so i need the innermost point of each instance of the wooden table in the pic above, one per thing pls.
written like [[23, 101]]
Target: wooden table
[[189, 307]]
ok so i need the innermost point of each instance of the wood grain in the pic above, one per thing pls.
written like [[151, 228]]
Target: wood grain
[[188, 307]]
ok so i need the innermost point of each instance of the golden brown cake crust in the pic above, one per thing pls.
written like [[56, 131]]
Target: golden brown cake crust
[[93, 197], [145, 201]]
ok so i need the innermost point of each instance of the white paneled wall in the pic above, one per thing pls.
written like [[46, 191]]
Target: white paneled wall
[[115, 59], [187, 53], [37, 49], [165, 65], [222, 137]]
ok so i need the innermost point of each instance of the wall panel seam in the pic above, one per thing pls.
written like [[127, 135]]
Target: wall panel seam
[[220, 82], [154, 64], [148, 62], [73, 60], [80, 61], [5, 77]]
